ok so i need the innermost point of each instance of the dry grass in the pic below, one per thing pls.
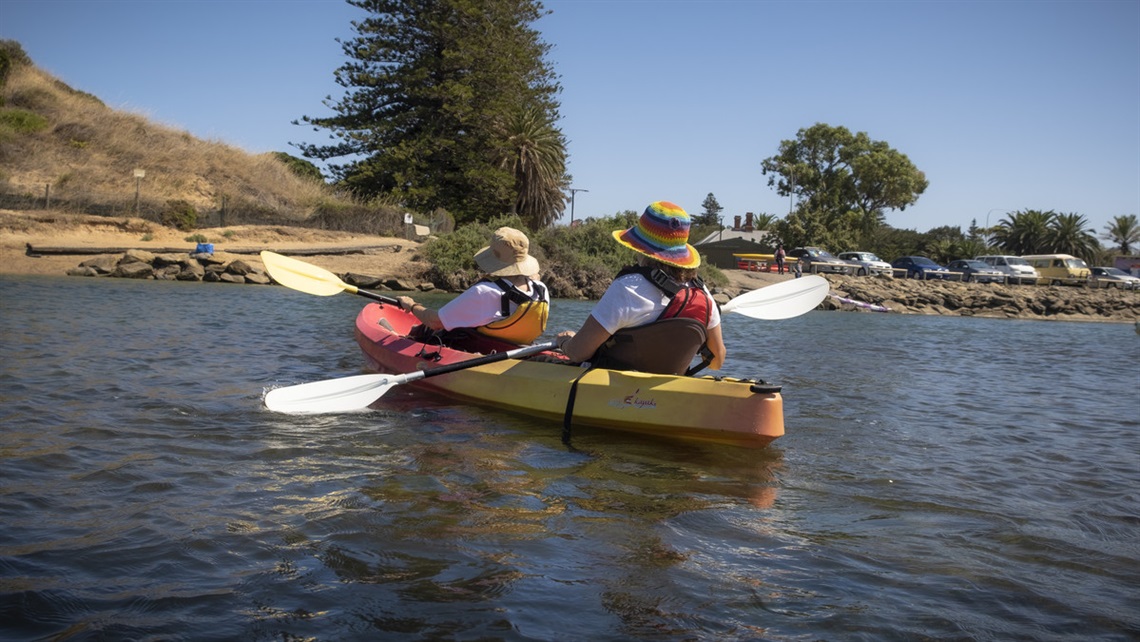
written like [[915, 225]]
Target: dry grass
[[83, 160]]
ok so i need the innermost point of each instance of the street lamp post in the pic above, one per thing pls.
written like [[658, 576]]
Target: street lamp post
[[573, 191], [988, 222], [139, 174]]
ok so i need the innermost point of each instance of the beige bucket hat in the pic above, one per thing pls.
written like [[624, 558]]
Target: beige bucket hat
[[507, 255]]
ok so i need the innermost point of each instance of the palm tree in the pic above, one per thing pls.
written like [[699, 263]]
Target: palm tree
[[536, 157], [1068, 235], [1123, 231], [1024, 232]]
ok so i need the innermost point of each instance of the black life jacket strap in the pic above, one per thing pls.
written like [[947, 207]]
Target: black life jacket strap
[[568, 416], [512, 294]]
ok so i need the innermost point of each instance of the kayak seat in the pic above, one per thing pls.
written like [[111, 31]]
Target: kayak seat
[[662, 347]]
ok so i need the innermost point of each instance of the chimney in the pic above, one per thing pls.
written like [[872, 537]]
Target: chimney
[[736, 225], [748, 221]]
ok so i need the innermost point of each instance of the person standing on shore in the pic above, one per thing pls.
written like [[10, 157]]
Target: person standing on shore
[[657, 315], [780, 255], [508, 304]]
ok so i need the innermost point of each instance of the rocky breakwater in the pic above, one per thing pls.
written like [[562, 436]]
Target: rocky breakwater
[[140, 264], [909, 296]]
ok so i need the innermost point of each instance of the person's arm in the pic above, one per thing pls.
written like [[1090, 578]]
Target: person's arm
[[715, 344], [582, 345], [426, 315]]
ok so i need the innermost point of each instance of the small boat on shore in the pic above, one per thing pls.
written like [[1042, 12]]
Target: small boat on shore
[[739, 412]]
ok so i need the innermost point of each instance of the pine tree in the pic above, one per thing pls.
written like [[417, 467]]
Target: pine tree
[[432, 88], [710, 211]]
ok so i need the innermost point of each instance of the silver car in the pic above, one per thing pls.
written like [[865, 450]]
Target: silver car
[[977, 271], [868, 263], [815, 260], [1111, 277]]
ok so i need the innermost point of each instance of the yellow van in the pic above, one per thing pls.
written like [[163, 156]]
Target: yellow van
[[1059, 268]]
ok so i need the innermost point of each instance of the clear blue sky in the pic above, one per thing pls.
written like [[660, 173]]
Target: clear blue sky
[[1005, 105]]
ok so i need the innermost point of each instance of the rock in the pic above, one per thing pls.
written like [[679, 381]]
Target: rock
[[133, 270], [227, 277], [257, 277], [163, 260], [83, 271], [399, 285], [239, 266], [363, 280], [101, 264], [137, 256], [192, 271], [168, 272]]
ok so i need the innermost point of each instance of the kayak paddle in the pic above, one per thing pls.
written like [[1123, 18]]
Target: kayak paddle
[[308, 278], [360, 391], [783, 300]]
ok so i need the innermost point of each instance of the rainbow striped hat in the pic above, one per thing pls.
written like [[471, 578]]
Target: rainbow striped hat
[[662, 233]]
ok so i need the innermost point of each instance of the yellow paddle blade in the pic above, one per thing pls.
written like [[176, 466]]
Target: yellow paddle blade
[[302, 276]]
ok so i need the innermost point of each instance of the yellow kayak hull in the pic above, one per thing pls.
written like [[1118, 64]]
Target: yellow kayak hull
[[726, 411]]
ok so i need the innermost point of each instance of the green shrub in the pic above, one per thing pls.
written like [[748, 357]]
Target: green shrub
[[11, 54], [196, 238], [179, 214], [300, 166], [22, 121], [452, 256], [147, 237]]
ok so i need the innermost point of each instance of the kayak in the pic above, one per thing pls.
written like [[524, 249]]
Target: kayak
[[724, 410]]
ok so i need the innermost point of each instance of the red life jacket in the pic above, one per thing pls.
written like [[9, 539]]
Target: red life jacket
[[688, 300]]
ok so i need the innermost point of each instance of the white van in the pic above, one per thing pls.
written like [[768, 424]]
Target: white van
[[1014, 267]]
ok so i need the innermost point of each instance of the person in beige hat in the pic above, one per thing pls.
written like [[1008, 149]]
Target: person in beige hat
[[509, 304]]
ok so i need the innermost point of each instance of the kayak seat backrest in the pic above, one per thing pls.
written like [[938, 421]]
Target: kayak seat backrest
[[662, 347]]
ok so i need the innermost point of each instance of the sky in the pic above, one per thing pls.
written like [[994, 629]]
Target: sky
[[1005, 105]]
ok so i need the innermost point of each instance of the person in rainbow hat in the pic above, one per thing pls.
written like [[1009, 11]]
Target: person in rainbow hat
[[658, 314]]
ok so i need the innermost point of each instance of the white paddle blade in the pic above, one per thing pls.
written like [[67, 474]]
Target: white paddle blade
[[301, 276], [783, 300], [331, 395]]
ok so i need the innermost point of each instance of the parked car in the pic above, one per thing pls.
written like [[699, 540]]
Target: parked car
[[1111, 277], [814, 259], [920, 267], [1014, 267], [1059, 269], [977, 271], [868, 263]]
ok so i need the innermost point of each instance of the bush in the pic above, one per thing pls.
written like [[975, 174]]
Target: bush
[[196, 238], [180, 215], [452, 256], [300, 166], [22, 121]]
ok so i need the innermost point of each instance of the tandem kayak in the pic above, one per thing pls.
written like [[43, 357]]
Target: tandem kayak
[[724, 410]]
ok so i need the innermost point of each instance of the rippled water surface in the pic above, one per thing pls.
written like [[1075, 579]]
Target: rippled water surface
[[941, 478]]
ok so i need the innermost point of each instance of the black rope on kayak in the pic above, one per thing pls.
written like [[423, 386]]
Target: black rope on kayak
[[567, 418]]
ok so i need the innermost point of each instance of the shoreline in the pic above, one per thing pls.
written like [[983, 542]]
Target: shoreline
[[394, 258]]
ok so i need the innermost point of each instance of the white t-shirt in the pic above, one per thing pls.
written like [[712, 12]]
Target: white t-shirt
[[479, 305], [633, 300]]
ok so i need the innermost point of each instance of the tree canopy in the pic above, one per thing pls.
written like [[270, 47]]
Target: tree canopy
[[844, 181], [1124, 232], [449, 104]]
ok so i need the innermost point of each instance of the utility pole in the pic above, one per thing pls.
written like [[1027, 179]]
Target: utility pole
[[573, 191]]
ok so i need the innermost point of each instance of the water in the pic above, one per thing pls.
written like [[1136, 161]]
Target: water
[[942, 478]]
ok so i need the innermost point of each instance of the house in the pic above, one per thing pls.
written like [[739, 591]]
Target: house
[[718, 248]]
